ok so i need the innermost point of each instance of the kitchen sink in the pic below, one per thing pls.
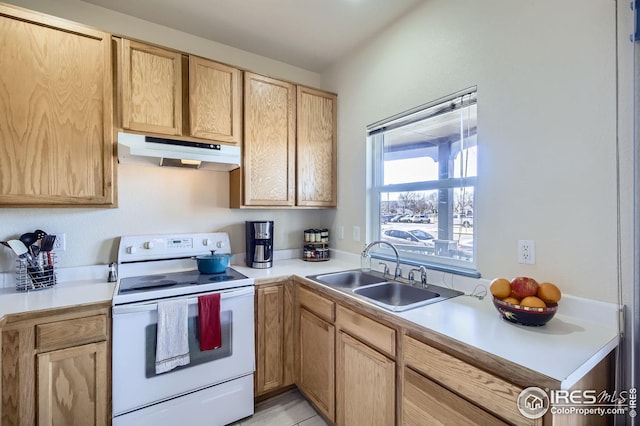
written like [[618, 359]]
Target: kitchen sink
[[349, 279], [398, 297]]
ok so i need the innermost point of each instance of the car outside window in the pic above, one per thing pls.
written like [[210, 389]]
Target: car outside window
[[422, 197]]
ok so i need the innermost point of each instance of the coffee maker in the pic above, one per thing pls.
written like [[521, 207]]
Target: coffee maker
[[259, 247]]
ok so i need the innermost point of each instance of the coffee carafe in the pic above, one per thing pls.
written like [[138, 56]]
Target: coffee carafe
[[259, 247]]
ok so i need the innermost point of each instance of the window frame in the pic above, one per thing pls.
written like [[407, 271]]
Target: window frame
[[376, 187]]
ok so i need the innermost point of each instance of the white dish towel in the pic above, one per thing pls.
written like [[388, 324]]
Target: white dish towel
[[172, 341]]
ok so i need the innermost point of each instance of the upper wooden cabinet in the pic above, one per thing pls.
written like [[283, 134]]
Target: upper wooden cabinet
[[166, 92], [269, 142], [316, 148], [56, 108], [289, 146], [215, 101], [151, 89]]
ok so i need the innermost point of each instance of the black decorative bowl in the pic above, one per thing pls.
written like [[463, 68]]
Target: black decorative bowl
[[524, 315]]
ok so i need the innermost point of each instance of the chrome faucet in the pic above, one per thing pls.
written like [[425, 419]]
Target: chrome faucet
[[423, 276], [398, 271]]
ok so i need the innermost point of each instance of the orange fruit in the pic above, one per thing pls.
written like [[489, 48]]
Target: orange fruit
[[533, 302], [549, 293], [500, 288], [511, 300]]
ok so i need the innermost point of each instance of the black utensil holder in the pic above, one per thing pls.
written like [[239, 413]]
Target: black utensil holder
[[36, 275]]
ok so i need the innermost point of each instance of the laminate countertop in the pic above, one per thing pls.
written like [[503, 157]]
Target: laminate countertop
[[580, 335]]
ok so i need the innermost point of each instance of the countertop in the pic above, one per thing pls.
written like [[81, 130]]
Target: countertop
[[565, 349]]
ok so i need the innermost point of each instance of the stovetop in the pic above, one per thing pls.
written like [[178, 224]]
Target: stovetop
[[157, 286], [159, 266]]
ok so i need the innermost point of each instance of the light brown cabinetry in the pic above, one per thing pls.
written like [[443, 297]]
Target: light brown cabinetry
[[215, 101], [274, 337], [365, 384], [463, 380], [57, 108], [72, 385], [424, 402], [151, 88], [365, 376], [316, 148], [267, 177], [315, 350], [289, 150], [55, 367], [165, 92]]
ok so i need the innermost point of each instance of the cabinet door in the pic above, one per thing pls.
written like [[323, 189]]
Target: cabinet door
[[426, 403], [72, 386], [270, 339], [215, 101], [56, 106], [316, 347], [316, 148], [151, 89], [269, 138], [365, 385]]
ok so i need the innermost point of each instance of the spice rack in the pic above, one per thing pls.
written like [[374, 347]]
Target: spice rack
[[316, 245]]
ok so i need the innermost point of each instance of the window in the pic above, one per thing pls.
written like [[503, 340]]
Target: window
[[424, 165]]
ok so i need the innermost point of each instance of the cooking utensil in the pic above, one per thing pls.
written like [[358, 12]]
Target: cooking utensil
[[18, 247], [28, 239], [46, 246], [34, 270], [213, 263]]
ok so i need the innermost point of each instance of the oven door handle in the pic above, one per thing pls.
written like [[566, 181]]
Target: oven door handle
[[153, 305]]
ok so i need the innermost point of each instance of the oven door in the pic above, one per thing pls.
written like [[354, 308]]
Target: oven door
[[135, 384]]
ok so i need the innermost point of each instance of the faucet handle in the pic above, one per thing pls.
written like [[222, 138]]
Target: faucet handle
[[398, 272], [423, 276], [411, 276], [386, 268]]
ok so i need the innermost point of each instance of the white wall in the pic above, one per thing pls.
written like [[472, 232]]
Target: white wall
[[155, 200], [545, 72]]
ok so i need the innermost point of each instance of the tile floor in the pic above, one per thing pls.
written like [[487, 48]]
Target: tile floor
[[288, 409]]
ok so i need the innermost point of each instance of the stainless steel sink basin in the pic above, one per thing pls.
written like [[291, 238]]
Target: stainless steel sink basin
[[349, 279], [398, 297]]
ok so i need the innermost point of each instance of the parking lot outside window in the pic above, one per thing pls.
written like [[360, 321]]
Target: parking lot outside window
[[424, 165]]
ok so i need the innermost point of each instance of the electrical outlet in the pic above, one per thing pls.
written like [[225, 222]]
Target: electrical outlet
[[61, 243], [356, 233], [526, 252], [341, 232]]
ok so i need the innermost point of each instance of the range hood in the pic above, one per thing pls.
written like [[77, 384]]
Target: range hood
[[153, 151]]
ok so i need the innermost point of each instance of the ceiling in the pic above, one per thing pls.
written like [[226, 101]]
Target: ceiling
[[310, 34]]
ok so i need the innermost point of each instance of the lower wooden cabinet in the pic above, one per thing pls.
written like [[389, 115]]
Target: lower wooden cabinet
[[365, 385], [274, 340], [55, 367], [72, 385], [316, 351], [424, 402]]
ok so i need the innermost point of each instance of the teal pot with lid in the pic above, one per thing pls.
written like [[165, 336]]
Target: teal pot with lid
[[213, 263]]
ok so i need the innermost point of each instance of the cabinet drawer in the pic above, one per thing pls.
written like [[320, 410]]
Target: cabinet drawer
[[369, 331], [72, 332], [317, 304], [474, 384], [427, 403]]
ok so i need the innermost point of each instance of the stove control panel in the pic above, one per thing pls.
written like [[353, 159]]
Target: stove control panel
[[135, 248]]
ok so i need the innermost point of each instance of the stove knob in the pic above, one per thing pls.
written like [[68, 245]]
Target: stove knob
[[220, 244], [206, 242], [131, 249], [148, 245]]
